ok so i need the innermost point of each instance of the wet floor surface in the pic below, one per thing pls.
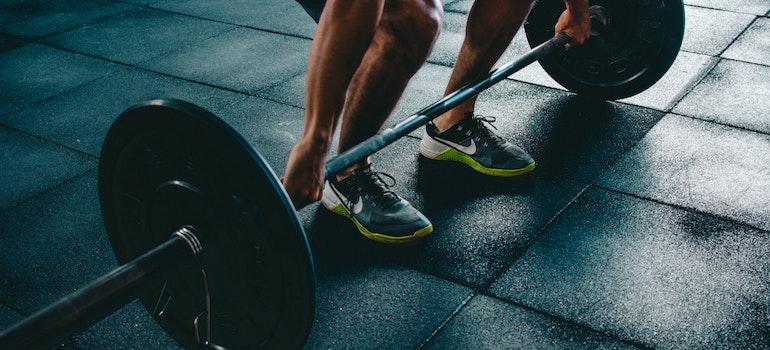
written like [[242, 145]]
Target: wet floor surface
[[646, 223]]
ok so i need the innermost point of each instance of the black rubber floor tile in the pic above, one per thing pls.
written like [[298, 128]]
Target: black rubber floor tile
[[462, 6], [138, 35], [280, 16], [80, 118], [709, 31], [139, 2], [242, 59], [687, 70], [131, 327], [757, 7], [380, 307], [480, 223], [30, 165], [668, 278], [701, 165], [8, 43], [272, 128], [753, 45], [39, 18], [734, 93], [567, 135], [290, 91], [53, 244], [8, 317], [34, 72], [488, 323]]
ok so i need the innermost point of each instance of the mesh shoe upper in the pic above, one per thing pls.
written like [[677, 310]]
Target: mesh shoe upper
[[473, 137], [367, 196]]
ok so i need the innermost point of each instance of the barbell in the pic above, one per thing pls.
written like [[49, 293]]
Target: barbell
[[206, 235]]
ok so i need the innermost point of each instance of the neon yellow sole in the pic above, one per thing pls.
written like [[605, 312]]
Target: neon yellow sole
[[454, 155], [340, 209]]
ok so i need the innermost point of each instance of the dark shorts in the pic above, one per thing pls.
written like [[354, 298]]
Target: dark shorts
[[313, 7]]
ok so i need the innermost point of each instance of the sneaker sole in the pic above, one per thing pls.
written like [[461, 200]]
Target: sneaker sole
[[338, 208], [454, 155]]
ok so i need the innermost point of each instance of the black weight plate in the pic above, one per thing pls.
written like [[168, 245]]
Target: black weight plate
[[632, 53], [168, 163]]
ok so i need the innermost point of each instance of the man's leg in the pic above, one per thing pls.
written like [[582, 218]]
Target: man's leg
[[491, 26], [344, 33], [458, 135], [403, 41]]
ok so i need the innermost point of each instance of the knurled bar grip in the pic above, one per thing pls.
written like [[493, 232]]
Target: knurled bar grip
[[79, 310], [390, 135]]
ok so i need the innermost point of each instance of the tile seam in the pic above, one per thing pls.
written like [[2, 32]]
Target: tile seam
[[446, 321]]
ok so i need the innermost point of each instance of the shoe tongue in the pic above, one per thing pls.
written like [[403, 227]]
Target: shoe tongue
[[376, 186], [473, 123], [484, 130]]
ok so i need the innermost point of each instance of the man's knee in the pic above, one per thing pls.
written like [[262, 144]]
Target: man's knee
[[427, 16], [413, 25]]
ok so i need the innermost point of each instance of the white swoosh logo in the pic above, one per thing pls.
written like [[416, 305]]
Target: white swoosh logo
[[356, 207], [465, 149]]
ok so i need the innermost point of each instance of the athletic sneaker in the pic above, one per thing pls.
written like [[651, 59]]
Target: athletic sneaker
[[378, 213], [472, 143]]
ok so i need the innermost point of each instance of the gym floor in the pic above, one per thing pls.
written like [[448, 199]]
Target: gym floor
[[646, 224]]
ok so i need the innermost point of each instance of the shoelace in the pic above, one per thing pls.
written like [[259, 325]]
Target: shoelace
[[375, 184], [480, 123]]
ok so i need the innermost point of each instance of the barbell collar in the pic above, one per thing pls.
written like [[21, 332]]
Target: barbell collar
[[79, 310]]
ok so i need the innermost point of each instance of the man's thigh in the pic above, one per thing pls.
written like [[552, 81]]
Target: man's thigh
[[313, 7]]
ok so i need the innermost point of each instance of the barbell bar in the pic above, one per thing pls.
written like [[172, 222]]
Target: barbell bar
[[237, 271], [433, 111]]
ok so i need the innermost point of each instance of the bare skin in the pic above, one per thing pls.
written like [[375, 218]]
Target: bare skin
[[401, 45], [575, 21], [367, 51], [491, 26], [370, 50], [333, 61]]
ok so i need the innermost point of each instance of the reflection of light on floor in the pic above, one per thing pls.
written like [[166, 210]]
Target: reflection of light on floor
[[697, 164], [668, 283]]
